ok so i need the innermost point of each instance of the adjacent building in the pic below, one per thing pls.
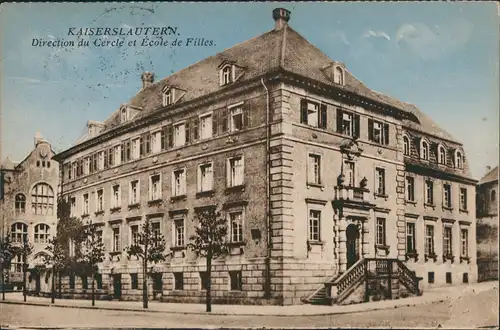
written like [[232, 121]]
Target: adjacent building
[[317, 175], [487, 225], [28, 211]]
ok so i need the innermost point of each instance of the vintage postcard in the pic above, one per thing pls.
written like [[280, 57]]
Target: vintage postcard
[[253, 164]]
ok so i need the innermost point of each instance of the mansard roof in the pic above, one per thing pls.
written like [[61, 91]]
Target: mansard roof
[[490, 176]]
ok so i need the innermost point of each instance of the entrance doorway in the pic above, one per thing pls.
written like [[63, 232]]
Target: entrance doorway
[[37, 284], [352, 233], [157, 284], [117, 286]]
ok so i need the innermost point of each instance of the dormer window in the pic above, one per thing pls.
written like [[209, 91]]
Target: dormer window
[[226, 74], [406, 145], [168, 97], [123, 115], [338, 75], [441, 155], [459, 162], [424, 150]]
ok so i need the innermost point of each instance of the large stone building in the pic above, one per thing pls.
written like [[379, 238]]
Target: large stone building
[[28, 210], [320, 179], [487, 225]]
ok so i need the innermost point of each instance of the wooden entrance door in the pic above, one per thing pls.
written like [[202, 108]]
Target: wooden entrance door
[[352, 234], [117, 286]]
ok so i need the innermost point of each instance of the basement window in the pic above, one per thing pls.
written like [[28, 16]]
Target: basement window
[[465, 278], [430, 277], [448, 277]]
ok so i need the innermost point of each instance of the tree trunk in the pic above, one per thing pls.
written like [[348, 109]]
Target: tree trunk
[[209, 282], [93, 288], [3, 283], [24, 282], [53, 291], [144, 284], [59, 278]]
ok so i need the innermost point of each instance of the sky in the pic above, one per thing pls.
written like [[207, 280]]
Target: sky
[[441, 57]]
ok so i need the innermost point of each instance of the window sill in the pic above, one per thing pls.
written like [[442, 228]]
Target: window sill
[[316, 243], [178, 198], [86, 215], [315, 185], [99, 212], [462, 259], [237, 188], [206, 193], [448, 257], [177, 248], [447, 208], [383, 247], [410, 202], [115, 209], [134, 206], [412, 255], [236, 244], [432, 256], [463, 211], [115, 253], [432, 206], [384, 196], [155, 202]]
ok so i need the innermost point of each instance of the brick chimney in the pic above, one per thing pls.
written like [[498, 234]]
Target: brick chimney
[[147, 79], [281, 17]]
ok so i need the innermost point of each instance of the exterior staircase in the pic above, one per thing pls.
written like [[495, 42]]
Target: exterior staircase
[[368, 279]]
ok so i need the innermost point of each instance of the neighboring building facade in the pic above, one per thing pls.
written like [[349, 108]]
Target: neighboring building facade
[[487, 225], [28, 210], [314, 172]]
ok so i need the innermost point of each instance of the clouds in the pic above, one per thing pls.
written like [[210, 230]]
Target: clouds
[[376, 34]]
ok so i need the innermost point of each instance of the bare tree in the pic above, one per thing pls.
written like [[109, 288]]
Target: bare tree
[[6, 254], [57, 259], [149, 246], [92, 252], [209, 242], [23, 249]]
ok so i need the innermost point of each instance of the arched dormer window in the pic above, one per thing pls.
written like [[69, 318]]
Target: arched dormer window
[[168, 96], [459, 161], [42, 199], [338, 75], [20, 204], [226, 74], [441, 155], [493, 196], [42, 233], [406, 145], [123, 114], [424, 150], [19, 232]]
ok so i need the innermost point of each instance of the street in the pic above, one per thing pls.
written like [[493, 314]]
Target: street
[[470, 310]]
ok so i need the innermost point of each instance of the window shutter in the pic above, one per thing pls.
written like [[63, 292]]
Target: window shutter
[[170, 136], [163, 137], [187, 131], [106, 158], [246, 115], [111, 156], [123, 159], [386, 134], [196, 129], [339, 120], [141, 146], [303, 111], [215, 122], [223, 120], [323, 116], [147, 149], [370, 129], [356, 126], [127, 153]]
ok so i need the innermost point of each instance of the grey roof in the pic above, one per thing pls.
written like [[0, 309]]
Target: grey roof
[[491, 176]]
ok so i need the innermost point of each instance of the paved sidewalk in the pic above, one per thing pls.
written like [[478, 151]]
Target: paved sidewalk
[[429, 296]]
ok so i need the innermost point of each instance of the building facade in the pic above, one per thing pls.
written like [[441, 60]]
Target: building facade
[[28, 211], [487, 225], [314, 171]]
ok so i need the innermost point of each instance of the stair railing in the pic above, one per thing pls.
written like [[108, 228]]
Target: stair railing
[[407, 277], [347, 280]]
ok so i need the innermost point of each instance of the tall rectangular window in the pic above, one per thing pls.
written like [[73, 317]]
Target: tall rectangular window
[[347, 124], [154, 187], [179, 135], [116, 239], [314, 167], [134, 192], [410, 189], [205, 177], [236, 119], [86, 168], [179, 232], [86, 208], [156, 142], [134, 234], [314, 225], [179, 182], [235, 169], [446, 195], [429, 239], [463, 199], [349, 174], [134, 281], [236, 225], [72, 204], [410, 238], [100, 200], [378, 132], [380, 181], [429, 192], [117, 155], [136, 143], [115, 197], [100, 157], [206, 127], [447, 241], [380, 238], [235, 280], [464, 243], [178, 281]]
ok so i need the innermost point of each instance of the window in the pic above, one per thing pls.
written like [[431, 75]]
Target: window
[[206, 127], [74, 170], [71, 248], [430, 277], [98, 280], [179, 232], [465, 278], [134, 192], [86, 206], [154, 187], [123, 115], [72, 282], [447, 242], [236, 119], [493, 196], [236, 226], [429, 240], [17, 263], [406, 145], [446, 195], [178, 281], [380, 238], [410, 189], [235, 280], [20, 204], [116, 239], [424, 150], [100, 200], [458, 159], [134, 281], [463, 199], [85, 283], [156, 142], [314, 167], [72, 204], [429, 192], [99, 236], [117, 155], [205, 177], [115, 198], [168, 97], [134, 234], [204, 280], [42, 199], [448, 278], [226, 75], [314, 225], [349, 173], [95, 163], [380, 181], [410, 238], [347, 123], [464, 243], [179, 182], [179, 135], [235, 169], [136, 148], [338, 76], [101, 160], [441, 155], [86, 168], [42, 233], [19, 232], [378, 132]]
